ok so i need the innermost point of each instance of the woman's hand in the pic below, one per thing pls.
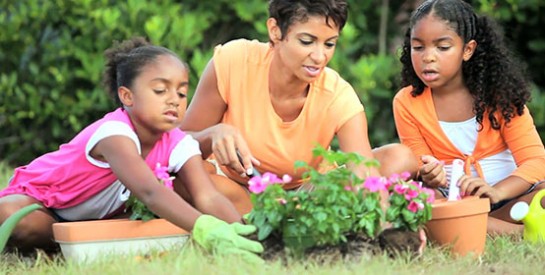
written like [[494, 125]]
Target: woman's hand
[[228, 145], [432, 172]]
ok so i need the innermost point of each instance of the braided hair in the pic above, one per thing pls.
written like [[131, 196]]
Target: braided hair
[[125, 60], [494, 77]]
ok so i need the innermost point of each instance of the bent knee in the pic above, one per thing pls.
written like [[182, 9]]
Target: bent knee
[[396, 158], [36, 225]]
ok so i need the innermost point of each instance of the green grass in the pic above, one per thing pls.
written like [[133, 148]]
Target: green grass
[[503, 255]]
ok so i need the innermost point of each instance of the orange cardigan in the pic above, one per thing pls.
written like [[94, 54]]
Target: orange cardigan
[[418, 127]]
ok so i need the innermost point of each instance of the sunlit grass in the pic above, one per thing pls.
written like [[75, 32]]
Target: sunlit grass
[[504, 255]]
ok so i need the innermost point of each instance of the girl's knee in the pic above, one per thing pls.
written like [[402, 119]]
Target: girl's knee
[[33, 228], [13, 203]]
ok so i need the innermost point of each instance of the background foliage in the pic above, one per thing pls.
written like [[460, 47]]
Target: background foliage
[[51, 56]]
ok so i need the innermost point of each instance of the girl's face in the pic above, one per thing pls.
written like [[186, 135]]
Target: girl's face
[[306, 48], [437, 53], [159, 95]]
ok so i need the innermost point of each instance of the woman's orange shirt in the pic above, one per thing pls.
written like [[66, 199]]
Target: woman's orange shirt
[[242, 69]]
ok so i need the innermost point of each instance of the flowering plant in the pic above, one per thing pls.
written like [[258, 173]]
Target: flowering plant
[[410, 203], [338, 204], [139, 210]]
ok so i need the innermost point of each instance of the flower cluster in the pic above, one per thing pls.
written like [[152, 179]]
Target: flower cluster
[[410, 203], [338, 203], [258, 184], [139, 211]]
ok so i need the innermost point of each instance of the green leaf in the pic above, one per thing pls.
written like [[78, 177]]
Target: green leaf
[[264, 231]]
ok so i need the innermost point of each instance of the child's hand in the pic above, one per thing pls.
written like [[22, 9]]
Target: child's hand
[[216, 235], [432, 172], [478, 187]]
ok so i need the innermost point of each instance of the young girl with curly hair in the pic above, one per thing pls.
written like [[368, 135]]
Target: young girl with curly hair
[[464, 98]]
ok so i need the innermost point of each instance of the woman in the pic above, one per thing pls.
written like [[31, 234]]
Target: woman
[[269, 104]]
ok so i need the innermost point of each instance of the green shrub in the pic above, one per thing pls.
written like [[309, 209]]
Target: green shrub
[[52, 59], [51, 56]]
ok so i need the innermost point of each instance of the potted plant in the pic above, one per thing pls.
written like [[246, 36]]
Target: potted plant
[[340, 204]]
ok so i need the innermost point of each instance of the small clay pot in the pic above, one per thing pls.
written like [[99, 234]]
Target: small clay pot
[[460, 225]]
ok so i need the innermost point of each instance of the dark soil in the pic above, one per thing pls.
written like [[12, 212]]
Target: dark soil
[[390, 241]]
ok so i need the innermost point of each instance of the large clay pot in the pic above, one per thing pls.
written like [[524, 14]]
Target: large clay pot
[[460, 225]]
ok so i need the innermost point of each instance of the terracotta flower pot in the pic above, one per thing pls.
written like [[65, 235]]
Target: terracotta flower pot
[[460, 225], [83, 241]]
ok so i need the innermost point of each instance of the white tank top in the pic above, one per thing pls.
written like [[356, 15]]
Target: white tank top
[[463, 135]]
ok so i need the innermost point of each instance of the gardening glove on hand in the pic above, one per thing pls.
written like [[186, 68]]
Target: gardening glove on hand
[[218, 236]]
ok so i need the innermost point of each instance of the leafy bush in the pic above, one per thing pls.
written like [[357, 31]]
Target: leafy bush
[[52, 56]]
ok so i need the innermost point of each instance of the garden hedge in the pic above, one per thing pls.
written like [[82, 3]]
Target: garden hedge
[[51, 56]]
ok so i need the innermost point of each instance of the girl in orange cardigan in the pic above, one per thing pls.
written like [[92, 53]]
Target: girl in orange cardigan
[[464, 98]]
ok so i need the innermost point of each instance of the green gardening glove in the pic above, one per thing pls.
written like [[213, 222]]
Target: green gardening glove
[[220, 237]]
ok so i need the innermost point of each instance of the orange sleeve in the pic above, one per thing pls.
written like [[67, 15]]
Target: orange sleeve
[[407, 125], [526, 146]]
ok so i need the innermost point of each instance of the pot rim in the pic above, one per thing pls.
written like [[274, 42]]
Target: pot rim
[[114, 229], [467, 206]]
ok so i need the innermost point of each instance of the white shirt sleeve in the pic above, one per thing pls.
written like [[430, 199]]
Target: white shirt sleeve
[[108, 129], [185, 149]]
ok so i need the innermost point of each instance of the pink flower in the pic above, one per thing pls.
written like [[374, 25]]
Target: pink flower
[[411, 194], [394, 178], [415, 206], [387, 183], [400, 188], [258, 184], [161, 172], [431, 195], [271, 178], [405, 175], [374, 184]]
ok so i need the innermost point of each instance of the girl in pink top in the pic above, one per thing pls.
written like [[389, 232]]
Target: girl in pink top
[[273, 102], [90, 176], [464, 98]]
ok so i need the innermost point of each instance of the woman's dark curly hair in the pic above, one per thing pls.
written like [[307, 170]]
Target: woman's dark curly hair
[[125, 60], [287, 12], [494, 77]]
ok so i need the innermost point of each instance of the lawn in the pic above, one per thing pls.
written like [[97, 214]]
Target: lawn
[[503, 255]]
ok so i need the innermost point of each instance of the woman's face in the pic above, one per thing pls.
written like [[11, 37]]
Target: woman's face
[[307, 47]]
